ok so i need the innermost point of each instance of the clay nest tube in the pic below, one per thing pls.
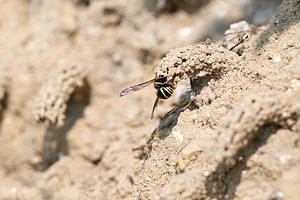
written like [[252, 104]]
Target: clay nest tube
[[51, 101]]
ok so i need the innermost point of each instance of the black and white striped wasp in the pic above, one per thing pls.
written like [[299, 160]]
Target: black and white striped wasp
[[164, 90]]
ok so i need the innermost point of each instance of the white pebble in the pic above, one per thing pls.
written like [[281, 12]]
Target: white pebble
[[195, 116], [183, 32], [277, 59], [13, 189], [178, 136], [280, 194], [206, 173], [285, 158]]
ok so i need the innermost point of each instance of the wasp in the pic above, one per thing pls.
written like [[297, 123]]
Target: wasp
[[164, 90]]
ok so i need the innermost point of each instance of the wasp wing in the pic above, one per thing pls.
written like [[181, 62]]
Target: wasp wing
[[136, 87]]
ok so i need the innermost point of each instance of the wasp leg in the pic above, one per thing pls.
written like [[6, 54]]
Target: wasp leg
[[147, 148], [144, 146], [196, 101], [180, 108], [154, 106], [241, 40], [177, 109]]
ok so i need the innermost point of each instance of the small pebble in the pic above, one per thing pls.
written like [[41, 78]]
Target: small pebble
[[178, 136]]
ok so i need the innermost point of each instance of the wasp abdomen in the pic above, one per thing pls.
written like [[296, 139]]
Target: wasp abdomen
[[165, 92]]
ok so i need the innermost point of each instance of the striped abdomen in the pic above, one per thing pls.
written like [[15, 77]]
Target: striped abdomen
[[165, 92]]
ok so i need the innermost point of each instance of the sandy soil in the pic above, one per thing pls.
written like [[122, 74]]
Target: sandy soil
[[66, 134]]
